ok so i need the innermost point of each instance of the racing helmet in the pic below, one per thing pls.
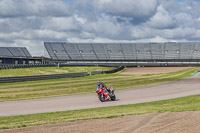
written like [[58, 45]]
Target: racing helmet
[[98, 81]]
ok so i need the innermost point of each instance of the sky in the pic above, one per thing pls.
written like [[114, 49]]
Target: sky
[[29, 23]]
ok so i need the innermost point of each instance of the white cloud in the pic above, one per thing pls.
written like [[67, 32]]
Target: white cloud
[[13, 8], [104, 26], [31, 22], [80, 19], [127, 8], [60, 23], [186, 20], [18, 24], [162, 19]]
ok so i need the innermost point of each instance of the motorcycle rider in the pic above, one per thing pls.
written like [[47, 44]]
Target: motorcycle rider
[[103, 86], [100, 84]]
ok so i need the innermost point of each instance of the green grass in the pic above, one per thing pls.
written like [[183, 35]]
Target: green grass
[[82, 85], [48, 70], [190, 103]]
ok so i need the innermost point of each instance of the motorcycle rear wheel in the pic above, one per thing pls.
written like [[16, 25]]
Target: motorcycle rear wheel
[[113, 97]]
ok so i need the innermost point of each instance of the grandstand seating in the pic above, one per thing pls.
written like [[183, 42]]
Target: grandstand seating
[[171, 50], [14, 52], [60, 51], [114, 51], [50, 50], [196, 51], [87, 51], [122, 51], [129, 51], [186, 50], [73, 52], [100, 51], [157, 50], [143, 51], [26, 52], [4, 52]]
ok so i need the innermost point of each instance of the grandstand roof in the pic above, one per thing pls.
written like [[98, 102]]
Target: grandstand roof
[[63, 51], [14, 52]]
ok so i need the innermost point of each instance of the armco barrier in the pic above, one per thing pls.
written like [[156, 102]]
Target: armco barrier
[[52, 76], [114, 70], [14, 66], [96, 72], [108, 72], [41, 77]]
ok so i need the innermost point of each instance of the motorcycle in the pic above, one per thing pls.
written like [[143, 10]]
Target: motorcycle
[[104, 96]]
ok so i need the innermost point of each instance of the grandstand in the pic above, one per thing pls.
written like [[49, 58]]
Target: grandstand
[[14, 51], [125, 53], [16, 55]]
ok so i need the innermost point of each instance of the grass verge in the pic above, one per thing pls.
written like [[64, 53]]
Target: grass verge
[[82, 85], [190, 103], [48, 70]]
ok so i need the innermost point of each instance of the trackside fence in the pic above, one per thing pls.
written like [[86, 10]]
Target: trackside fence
[[55, 76], [15, 66], [41, 77]]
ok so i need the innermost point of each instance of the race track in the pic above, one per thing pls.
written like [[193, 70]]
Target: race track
[[174, 89]]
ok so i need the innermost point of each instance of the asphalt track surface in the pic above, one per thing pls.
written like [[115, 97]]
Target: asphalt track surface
[[184, 87]]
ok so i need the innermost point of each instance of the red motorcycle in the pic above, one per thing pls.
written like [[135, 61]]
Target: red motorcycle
[[104, 94]]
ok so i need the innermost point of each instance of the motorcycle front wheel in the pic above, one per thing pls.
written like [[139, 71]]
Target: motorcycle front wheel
[[102, 97]]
